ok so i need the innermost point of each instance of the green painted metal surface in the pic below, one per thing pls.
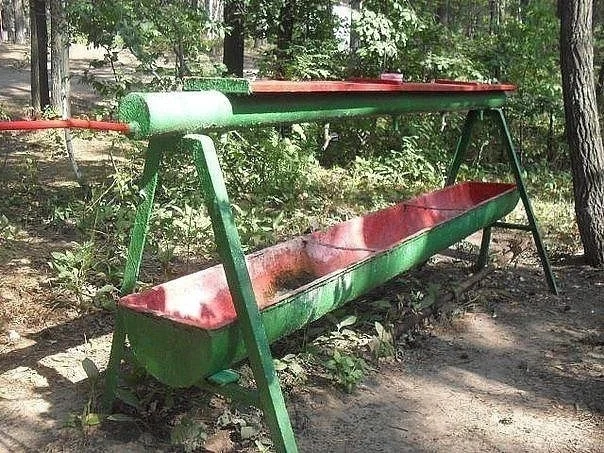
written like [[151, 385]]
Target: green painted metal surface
[[240, 285], [462, 147], [483, 254], [224, 85], [528, 208], [196, 111], [180, 355], [158, 342], [138, 236]]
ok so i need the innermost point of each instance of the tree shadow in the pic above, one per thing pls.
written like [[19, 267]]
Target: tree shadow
[[521, 362]]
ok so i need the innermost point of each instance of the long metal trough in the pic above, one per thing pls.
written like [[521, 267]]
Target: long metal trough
[[192, 319]]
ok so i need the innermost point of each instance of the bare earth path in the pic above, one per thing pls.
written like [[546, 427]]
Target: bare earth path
[[518, 370]]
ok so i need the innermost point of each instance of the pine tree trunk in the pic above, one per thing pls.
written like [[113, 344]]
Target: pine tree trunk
[[39, 55], [59, 58], [285, 34], [234, 39], [582, 126], [1, 25], [356, 7], [19, 22]]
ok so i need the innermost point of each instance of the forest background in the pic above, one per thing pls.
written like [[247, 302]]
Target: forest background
[[282, 181]]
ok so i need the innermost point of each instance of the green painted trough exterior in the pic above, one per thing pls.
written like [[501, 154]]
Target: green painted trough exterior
[[181, 352]]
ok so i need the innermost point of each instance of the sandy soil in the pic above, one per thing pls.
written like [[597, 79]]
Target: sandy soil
[[15, 79], [517, 370]]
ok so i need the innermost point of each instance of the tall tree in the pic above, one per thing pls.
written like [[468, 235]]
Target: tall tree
[[61, 86], [582, 126], [40, 98], [234, 37], [19, 21], [59, 58]]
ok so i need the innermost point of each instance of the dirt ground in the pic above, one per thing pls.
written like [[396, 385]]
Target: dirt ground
[[515, 369]]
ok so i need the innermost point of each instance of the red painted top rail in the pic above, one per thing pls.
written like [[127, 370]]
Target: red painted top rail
[[373, 86], [72, 123]]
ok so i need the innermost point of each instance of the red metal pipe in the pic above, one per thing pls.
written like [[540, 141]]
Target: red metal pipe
[[72, 123]]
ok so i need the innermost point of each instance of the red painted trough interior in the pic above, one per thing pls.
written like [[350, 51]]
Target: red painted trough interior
[[203, 299]]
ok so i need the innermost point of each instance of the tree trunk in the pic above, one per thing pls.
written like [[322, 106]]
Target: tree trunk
[[233, 41], [39, 56], [1, 24], [59, 58], [19, 22], [285, 33], [493, 17], [442, 12], [214, 9], [582, 126], [356, 6]]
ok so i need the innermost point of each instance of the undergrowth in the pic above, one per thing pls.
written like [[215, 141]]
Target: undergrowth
[[282, 183]]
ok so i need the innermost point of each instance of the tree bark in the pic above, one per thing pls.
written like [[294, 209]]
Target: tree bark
[[19, 22], [356, 6], [39, 55], [214, 9], [234, 39], [582, 126], [59, 58], [1, 24]]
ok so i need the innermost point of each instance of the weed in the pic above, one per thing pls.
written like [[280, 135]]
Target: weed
[[88, 416], [346, 370], [8, 231], [290, 370], [73, 268], [189, 434], [382, 344]]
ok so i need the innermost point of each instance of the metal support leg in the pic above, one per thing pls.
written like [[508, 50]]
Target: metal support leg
[[138, 237], [248, 315], [462, 146], [515, 164], [483, 255], [115, 359], [460, 154]]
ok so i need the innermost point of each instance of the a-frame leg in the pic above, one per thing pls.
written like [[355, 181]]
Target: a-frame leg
[[248, 315], [459, 156], [138, 238], [515, 165], [462, 146]]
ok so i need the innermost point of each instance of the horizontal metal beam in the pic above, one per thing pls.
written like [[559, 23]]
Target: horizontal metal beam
[[196, 111]]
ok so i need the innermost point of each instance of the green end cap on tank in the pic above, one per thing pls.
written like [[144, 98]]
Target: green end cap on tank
[[134, 111], [224, 85], [174, 113]]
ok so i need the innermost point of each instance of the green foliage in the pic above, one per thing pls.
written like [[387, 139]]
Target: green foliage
[[88, 417], [267, 162], [170, 40], [346, 370], [309, 50], [383, 30], [72, 269], [189, 434], [7, 229], [382, 344]]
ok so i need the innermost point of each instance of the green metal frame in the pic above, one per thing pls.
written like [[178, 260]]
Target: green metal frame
[[214, 110], [248, 315], [464, 141]]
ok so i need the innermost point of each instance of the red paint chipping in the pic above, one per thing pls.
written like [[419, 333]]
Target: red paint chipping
[[373, 86], [71, 123], [203, 299]]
